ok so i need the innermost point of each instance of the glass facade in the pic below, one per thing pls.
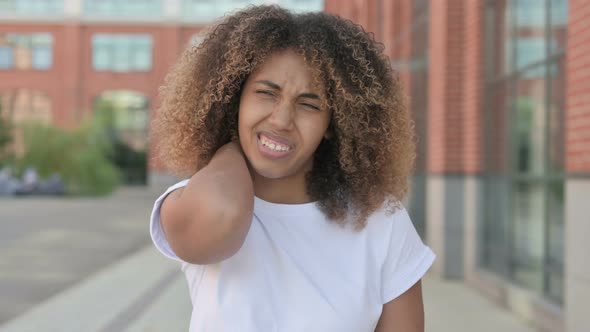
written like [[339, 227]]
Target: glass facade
[[31, 7], [122, 52], [26, 51], [522, 233], [205, 11], [128, 8]]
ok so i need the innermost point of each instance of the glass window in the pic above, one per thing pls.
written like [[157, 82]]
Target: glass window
[[26, 51], [557, 25], [100, 52], [303, 5], [142, 59], [494, 254], [528, 234], [206, 11], [555, 150], [524, 143], [530, 14], [42, 56], [529, 123], [6, 57], [31, 7], [530, 50], [555, 247], [122, 52], [122, 8]]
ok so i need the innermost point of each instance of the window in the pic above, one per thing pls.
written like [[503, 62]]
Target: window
[[523, 214], [206, 11], [303, 5], [6, 57], [122, 52], [26, 51], [31, 7], [122, 8]]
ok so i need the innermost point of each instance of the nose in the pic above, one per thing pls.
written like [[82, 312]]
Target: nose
[[281, 117]]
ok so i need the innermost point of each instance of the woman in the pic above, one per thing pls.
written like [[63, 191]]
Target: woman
[[298, 145]]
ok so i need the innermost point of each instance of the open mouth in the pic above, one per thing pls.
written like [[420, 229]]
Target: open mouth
[[272, 147]]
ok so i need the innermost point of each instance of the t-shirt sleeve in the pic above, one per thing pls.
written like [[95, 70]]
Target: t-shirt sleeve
[[407, 258], [156, 231]]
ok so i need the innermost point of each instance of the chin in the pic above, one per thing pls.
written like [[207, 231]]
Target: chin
[[273, 174]]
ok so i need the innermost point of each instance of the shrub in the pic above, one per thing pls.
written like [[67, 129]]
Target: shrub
[[5, 139], [80, 156]]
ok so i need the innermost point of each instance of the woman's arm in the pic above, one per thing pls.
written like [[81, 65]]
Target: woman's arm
[[207, 221], [405, 313]]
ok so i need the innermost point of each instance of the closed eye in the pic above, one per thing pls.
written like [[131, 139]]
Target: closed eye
[[311, 106], [265, 92]]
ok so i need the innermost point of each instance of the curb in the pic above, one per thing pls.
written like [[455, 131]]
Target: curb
[[107, 301]]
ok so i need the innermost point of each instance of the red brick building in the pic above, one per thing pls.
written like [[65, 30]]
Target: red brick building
[[500, 94]]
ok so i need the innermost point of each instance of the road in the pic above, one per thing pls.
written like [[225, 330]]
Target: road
[[49, 244]]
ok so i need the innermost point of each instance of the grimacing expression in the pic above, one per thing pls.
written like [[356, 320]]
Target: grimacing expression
[[281, 118]]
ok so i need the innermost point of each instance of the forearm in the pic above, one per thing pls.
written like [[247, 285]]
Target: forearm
[[212, 214]]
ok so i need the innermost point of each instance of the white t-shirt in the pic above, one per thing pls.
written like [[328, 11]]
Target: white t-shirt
[[297, 271]]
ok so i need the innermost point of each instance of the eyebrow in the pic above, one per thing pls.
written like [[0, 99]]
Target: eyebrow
[[275, 86]]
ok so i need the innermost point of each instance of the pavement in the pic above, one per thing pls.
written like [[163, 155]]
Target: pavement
[[48, 244], [145, 292]]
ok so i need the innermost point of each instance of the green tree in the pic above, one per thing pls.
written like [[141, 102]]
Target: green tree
[[5, 138]]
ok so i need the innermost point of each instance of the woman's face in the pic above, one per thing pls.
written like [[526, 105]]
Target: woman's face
[[281, 117]]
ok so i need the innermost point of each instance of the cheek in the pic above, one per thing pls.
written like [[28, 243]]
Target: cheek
[[314, 134], [247, 122], [244, 121]]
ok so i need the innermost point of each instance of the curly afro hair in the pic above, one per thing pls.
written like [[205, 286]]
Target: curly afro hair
[[366, 162]]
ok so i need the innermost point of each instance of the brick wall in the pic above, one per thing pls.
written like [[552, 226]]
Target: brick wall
[[473, 75], [445, 110], [577, 114]]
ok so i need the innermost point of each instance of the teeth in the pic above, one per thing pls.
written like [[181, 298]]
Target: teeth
[[273, 146]]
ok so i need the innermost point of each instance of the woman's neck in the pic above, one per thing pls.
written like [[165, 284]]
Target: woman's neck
[[290, 190]]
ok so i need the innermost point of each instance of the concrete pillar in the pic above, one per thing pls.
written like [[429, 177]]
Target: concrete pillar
[[577, 248], [577, 184]]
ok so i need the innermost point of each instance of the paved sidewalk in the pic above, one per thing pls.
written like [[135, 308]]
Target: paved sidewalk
[[453, 306], [146, 292]]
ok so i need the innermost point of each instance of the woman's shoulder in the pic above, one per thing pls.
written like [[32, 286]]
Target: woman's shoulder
[[390, 216]]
